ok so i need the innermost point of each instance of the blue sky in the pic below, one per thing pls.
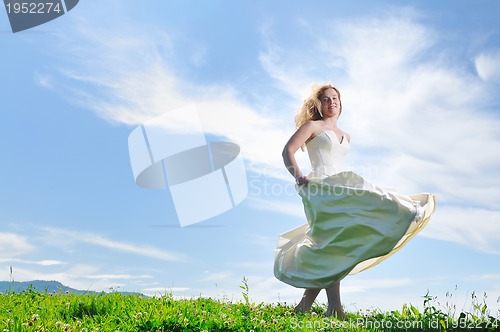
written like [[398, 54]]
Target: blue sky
[[419, 84]]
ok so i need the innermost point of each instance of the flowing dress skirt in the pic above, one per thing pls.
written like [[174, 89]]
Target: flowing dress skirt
[[352, 225]]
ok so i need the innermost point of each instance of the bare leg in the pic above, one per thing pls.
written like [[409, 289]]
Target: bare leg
[[334, 304], [307, 300]]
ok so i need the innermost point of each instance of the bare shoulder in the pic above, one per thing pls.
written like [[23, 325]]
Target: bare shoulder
[[313, 127], [303, 134], [311, 124], [310, 128]]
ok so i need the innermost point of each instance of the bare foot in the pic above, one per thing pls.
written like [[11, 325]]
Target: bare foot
[[300, 308], [335, 312], [307, 300]]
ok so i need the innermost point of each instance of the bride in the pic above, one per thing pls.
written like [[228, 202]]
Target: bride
[[351, 225]]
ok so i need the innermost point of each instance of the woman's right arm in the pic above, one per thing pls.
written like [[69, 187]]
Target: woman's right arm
[[299, 138]]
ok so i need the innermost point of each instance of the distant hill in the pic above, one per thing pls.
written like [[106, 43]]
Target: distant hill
[[44, 286], [39, 286]]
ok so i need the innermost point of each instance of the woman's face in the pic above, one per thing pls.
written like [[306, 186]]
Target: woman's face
[[330, 103]]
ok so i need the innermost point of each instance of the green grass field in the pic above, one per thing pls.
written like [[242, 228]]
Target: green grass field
[[33, 310]]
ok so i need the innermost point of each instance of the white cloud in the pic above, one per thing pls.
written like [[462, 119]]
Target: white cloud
[[292, 209], [488, 276], [281, 63], [137, 83], [360, 286], [263, 265], [118, 276], [260, 240], [12, 245], [488, 66], [101, 241], [46, 262], [165, 289], [472, 227], [217, 276], [43, 80]]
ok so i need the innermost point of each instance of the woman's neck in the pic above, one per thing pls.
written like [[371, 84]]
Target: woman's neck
[[330, 122]]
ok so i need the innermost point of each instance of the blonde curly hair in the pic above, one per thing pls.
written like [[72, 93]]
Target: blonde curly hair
[[311, 108]]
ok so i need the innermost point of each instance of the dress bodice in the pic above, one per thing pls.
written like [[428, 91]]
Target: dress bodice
[[326, 154]]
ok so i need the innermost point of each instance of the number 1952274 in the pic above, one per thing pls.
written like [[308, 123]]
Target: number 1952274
[[33, 8]]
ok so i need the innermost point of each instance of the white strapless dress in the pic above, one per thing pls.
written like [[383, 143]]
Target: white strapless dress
[[352, 225]]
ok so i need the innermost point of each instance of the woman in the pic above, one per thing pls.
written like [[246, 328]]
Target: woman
[[351, 224]]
